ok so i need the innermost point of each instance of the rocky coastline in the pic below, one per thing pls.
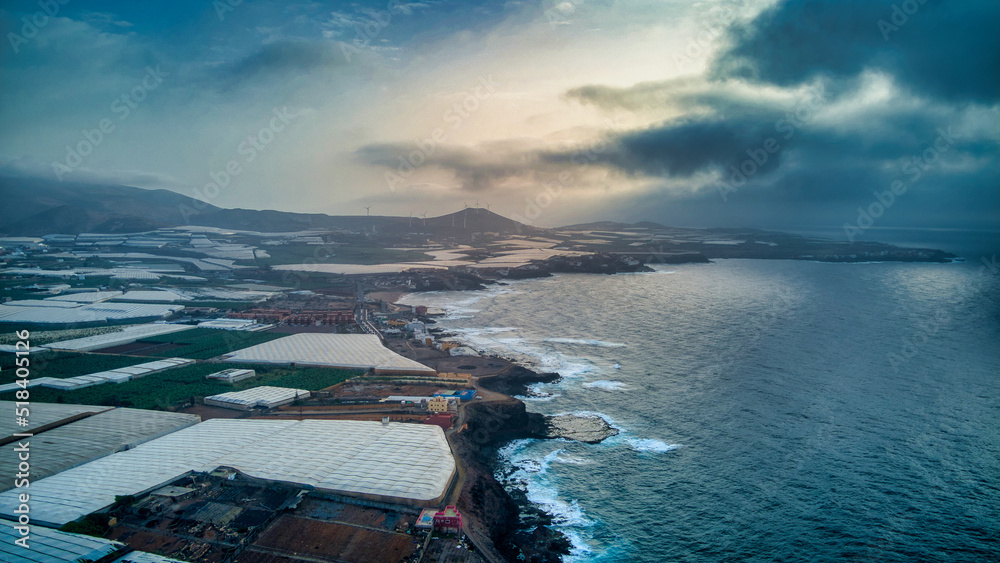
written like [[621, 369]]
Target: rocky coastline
[[461, 278], [517, 530]]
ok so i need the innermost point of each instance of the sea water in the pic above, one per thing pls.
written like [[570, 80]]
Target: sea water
[[767, 410]]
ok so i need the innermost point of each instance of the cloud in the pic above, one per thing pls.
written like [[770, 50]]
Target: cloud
[[106, 19], [475, 169], [674, 138], [946, 50], [284, 58], [682, 149], [890, 86], [835, 146], [644, 96]]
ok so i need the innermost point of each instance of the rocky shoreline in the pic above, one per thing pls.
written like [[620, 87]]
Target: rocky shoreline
[[598, 263], [517, 530]]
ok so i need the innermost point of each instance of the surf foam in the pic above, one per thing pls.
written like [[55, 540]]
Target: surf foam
[[650, 445], [606, 385]]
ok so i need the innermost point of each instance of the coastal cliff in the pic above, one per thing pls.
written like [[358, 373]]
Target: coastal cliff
[[486, 503], [515, 380], [517, 530]]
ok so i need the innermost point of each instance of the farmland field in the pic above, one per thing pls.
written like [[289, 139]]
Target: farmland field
[[204, 343], [333, 541], [41, 337], [171, 387], [336, 254], [65, 364]]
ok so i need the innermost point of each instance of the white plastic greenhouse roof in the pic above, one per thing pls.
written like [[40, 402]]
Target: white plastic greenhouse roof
[[159, 296], [90, 438], [262, 396], [117, 375], [143, 557], [396, 460], [86, 313], [86, 297], [354, 351], [52, 546], [126, 336], [42, 414]]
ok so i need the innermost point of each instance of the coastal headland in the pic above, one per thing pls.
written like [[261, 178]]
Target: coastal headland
[[117, 292]]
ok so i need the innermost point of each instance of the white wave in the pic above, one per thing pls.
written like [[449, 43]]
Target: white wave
[[533, 466], [558, 457], [587, 342], [459, 317], [537, 393], [453, 301], [569, 369], [529, 473], [488, 330], [563, 513], [526, 352], [606, 385], [650, 445], [538, 398], [579, 549], [512, 450]]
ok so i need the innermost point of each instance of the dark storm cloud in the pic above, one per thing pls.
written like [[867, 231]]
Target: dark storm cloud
[[946, 50], [686, 148], [829, 193], [943, 59], [475, 169], [642, 96], [826, 163]]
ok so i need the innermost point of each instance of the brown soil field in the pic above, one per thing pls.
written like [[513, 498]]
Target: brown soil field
[[292, 536]]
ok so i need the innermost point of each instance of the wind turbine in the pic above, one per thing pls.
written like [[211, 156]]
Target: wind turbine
[[411, 219], [368, 211], [425, 218]]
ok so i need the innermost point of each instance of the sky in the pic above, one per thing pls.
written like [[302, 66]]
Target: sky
[[849, 115]]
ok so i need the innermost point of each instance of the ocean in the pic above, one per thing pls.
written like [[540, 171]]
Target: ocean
[[768, 410]]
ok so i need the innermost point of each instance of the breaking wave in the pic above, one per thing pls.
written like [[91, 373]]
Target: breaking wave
[[650, 445], [606, 385], [586, 342]]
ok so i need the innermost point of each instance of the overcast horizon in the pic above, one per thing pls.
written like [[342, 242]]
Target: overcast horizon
[[782, 115]]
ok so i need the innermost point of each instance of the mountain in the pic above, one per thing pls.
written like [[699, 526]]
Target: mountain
[[475, 219], [34, 206]]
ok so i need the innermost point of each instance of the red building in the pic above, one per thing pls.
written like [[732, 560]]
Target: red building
[[448, 520], [442, 419], [301, 318]]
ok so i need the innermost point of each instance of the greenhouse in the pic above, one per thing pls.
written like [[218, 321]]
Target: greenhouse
[[349, 351], [395, 462]]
